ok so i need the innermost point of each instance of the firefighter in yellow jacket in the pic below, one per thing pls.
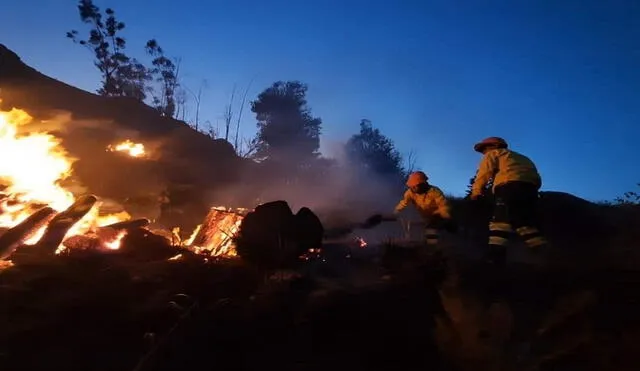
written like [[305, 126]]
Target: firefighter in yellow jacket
[[430, 203], [516, 183]]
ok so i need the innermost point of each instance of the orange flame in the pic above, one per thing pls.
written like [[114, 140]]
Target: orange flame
[[215, 237], [33, 179], [128, 147]]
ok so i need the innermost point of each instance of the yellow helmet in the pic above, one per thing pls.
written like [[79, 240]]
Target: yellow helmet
[[415, 178]]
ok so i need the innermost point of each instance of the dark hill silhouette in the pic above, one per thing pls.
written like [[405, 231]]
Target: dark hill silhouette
[[183, 158]]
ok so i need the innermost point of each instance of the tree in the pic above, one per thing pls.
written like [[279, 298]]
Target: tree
[[287, 132], [247, 147], [197, 99], [228, 115], [244, 147], [375, 153], [181, 104], [409, 163], [121, 75], [165, 72], [242, 105], [629, 198], [485, 192]]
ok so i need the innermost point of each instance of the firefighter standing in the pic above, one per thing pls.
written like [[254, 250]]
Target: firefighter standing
[[430, 203], [516, 182]]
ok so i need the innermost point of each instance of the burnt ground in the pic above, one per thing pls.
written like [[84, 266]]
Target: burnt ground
[[109, 313]]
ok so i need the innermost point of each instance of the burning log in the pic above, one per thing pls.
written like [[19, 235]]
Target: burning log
[[61, 223], [106, 237], [129, 224], [103, 238], [218, 231], [83, 242], [143, 245], [12, 238]]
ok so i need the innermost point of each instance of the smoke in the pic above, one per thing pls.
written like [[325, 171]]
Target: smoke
[[61, 123], [112, 176], [339, 191]]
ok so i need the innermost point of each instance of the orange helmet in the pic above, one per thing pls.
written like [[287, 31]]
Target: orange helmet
[[415, 178], [496, 142]]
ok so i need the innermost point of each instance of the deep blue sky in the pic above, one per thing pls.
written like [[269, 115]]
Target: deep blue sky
[[559, 79]]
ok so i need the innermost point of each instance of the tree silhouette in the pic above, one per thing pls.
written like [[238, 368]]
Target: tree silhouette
[[629, 198], [374, 153], [121, 75], [165, 72], [487, 191], [287, 133]]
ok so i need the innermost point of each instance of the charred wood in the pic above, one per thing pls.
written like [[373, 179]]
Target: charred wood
[[12, 238], [61, 223], [142, 245], [129, 224], [82, 242]]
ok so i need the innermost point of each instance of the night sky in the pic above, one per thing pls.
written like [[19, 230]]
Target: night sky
[[560, 80]]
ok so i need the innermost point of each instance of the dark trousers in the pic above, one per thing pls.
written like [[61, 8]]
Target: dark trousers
[[514, 211]]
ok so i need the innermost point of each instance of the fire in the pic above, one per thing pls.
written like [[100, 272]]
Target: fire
[[128, 147], [216, 235], [361, 242], [33, 167], [176, 257], [32, 178], [4, 264]]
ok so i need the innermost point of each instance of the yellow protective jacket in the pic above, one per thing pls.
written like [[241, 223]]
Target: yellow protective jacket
[[503, 166], [429, 204]]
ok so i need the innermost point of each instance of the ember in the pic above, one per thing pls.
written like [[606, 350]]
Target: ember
[[128, 147], [25, 191], [5, 264], [176, 257]]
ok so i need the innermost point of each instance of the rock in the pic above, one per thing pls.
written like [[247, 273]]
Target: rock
[[309, 229], [272, 237]]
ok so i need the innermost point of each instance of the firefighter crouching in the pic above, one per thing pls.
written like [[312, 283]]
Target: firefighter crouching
[[516, 183], [434, 209], [431, 204]]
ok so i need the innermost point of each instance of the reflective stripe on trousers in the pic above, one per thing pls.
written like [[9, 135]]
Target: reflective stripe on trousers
[[499, 233], [431, 236], [531, 236]]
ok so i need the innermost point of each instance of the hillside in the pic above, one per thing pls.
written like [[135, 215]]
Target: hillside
[[87, 123], [142, 305]]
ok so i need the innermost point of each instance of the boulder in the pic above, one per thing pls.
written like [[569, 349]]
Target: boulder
[[273, 237]]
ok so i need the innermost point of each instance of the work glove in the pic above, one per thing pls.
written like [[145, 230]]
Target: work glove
[[451, 226]]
